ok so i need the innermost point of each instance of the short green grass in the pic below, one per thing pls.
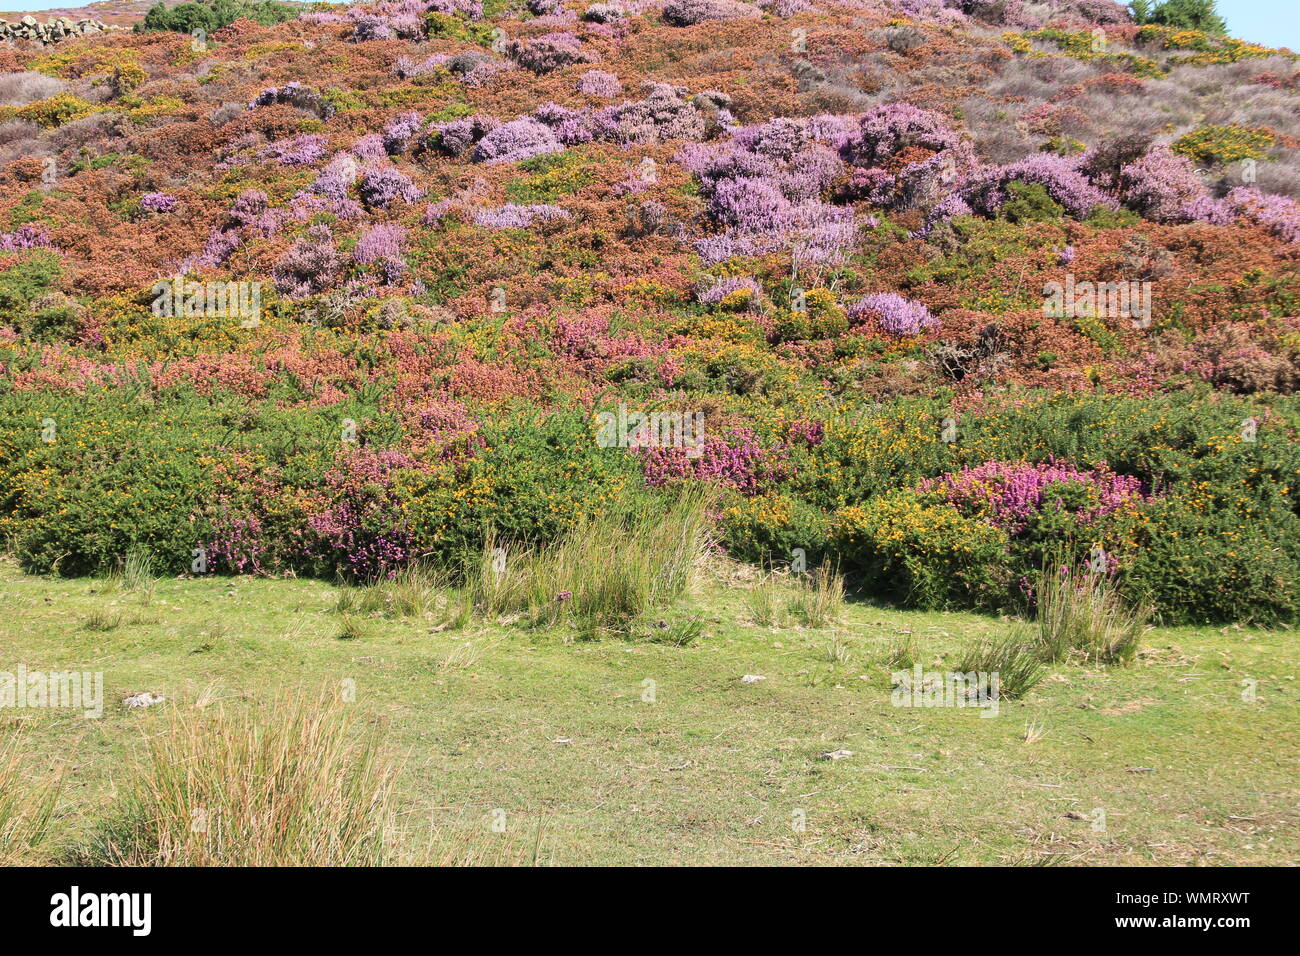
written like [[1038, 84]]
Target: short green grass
[[639, 753]]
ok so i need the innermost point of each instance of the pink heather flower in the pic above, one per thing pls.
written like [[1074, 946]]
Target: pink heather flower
[[599, 83], [985, 191], [517, 140], [382, 185], [301, 150], [719, 290], [369, 147], [889, 128], [736, 461], [26, 236], [1161, 185], [685, 13], [1009, 494], [549, 52], [897, 316], [511, 216], [157, 202], [1279, 214]]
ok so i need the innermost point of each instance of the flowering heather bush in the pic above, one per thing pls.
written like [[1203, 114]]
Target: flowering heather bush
[[891, 127], [599, 83], [549, 52], [736, 289], [337, 177], [986, 192], [456, 136], [383, 185], [664, 114], [1207, 209], [1279, 214], [310, 265], [381, 246], [735, 461], [436, 212], [1010, 495], [296, 95], [157, 202], [406, 68], [764, 204], [301, 150], [685, 13], [400, 131], [369, 147], [1162, 186], [517, 140], [603, 13], [251, 211], [221, 243], [26, 236], [896, 315], [571, 127], [361, 522], [511, 216]]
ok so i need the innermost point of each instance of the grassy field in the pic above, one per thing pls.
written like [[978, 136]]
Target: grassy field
[[565, 743]]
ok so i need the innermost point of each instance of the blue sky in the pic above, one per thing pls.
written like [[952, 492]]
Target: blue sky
[[1270, 22]]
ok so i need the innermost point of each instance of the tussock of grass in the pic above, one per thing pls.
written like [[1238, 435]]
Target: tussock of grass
[[820, 598], [1080, 613], [290, 784], [602, 575], [1014, 662], [25, 810]]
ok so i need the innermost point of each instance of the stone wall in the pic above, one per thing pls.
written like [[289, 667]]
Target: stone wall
[[29, 30]]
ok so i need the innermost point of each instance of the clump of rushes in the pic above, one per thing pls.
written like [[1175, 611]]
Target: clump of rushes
[[292, 783], [603, 574], [25, 809], [1015, 663], [1080, 613], [820, 598]]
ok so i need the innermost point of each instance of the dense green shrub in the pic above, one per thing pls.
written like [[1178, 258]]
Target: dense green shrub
[[1183, 14], [212, 15]]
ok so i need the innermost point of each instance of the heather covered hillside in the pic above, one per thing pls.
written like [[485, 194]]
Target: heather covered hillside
[[934, 292]]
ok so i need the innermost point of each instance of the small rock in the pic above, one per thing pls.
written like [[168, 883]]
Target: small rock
[[147, 699]]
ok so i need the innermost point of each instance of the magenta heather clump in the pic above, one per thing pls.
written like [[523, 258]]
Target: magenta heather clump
[[600, 84], [361, 520], [1010, 494], [511, 216], [736, 461], [301, 150], [1279, 214], [157, 202], [1162, 186], [896, 315], [517, 140], [381, 246], [310, 265], [26, 236], [383, 185], [549, 52], [685, 13], [1060, 176]]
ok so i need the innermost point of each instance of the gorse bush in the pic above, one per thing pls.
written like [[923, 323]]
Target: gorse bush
[[212, 15]]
